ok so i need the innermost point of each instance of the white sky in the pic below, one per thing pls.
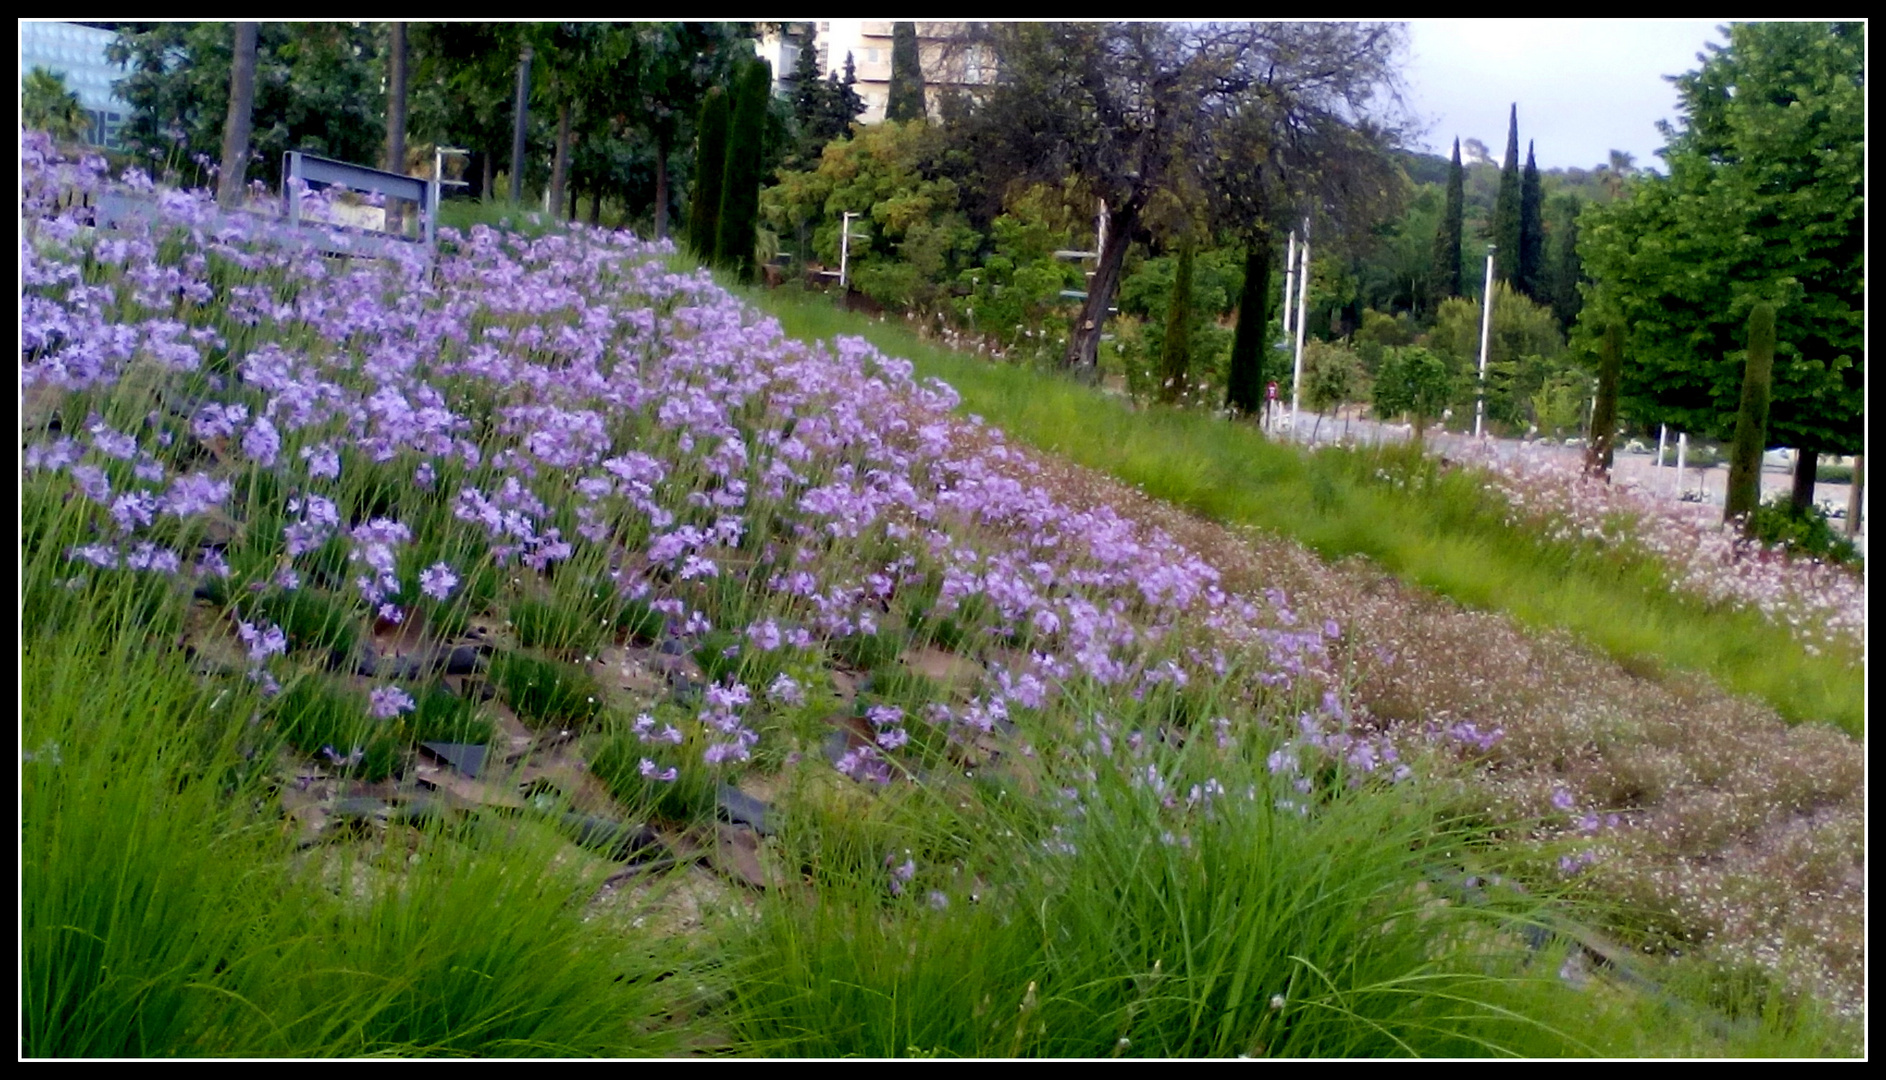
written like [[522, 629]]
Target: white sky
[[1583, 86]]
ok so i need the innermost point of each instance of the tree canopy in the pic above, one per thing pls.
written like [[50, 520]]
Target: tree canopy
[[1764, 202]]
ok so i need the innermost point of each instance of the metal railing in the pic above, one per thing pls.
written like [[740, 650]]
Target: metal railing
[[301, 169]]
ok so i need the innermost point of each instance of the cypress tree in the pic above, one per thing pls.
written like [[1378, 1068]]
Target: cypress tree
[[1604, 415], [1751, 421], [710, 170], [1175, 358], [740, 193], [1531, 233], [1506, 208], [1445, 278], [906, 91], [1244, 381]]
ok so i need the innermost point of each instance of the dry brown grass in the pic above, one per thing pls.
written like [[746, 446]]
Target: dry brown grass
[[1739, 839]]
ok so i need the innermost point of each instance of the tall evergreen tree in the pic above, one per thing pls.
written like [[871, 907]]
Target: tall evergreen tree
[[1506, 207], [809, 107], [843, 106], [740, 193], [1445, 280], [1175, 358], [1244, 379], [710, 172], [906, 92], [1531, 280]]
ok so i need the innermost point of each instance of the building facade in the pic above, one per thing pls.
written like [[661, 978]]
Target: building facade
[[78, 54]]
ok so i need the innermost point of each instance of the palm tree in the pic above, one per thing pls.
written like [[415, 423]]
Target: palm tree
[[46, 105]]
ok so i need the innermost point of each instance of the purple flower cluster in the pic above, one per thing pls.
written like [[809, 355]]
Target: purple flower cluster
[[674, 425]]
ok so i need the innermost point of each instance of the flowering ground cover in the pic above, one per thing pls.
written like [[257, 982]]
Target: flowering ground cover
[[434, 613]]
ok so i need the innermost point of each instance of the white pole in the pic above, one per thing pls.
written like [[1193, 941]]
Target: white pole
[[1682, 448], [1486, 333], [1663, 431], [1100, 230], [1303, 294], [844, 251], [1290, 279]]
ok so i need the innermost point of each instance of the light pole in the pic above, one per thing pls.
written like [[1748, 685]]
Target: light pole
[[1303, 292], [1486, 333], [1290, 279], [844, 251]]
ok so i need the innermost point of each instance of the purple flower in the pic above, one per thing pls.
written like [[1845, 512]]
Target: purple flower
[[262, 643], [388, 702], [323, 462], [262, 442], [650, 771], [785, 691], [1562, 798], [438, 581], [93, 483]]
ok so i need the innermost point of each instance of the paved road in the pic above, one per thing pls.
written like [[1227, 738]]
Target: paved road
[[1700, 485]]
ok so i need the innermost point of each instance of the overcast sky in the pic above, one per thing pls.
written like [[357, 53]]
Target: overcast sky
[[1583, 86]]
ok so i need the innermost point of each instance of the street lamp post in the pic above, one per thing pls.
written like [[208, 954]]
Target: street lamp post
[[1486, 333], [1303, 292], [844, 252]]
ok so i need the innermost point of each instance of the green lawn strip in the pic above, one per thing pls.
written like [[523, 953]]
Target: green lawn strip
[[1231, 473]]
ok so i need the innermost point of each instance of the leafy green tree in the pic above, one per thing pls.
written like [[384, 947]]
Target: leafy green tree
[[317, 89], [1446, 279], [46, 105], [1567, 271], [734, 243], [1140, 109], [1413, 381], [1531, 264], [710, 174], [913, 241], [1505, 234], [1744, 492], [1332, 377], [1764, 202], [906, 90], [1525, 350]]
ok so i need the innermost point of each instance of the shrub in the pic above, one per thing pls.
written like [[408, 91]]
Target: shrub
[[1778, 523]]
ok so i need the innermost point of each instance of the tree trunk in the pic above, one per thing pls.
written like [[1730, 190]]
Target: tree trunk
[[1083, 344], [396, 100], [1806, 462], [595, 205], [1853, 495], [1244, 385], [484, 176], [522, 118], [235, 166], [396, 210], [560, 163], [661, 189]]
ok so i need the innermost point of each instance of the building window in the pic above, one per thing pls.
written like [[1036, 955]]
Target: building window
[[870, 56]]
